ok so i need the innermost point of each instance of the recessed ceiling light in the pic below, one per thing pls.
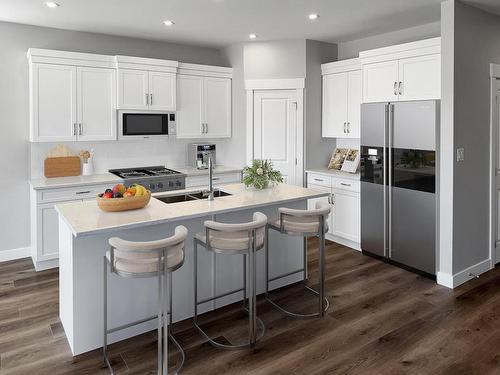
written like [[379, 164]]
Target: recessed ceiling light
[[252, 36], [313, 16], [51, 4], [168, 23]]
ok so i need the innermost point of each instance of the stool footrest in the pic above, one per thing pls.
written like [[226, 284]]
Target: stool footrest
[[297, 315], [286, 274], [220, 296]]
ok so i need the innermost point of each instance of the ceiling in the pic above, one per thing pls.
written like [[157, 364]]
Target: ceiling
[[218, 23]]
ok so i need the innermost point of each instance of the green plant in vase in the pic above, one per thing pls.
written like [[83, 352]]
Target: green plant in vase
[[260, 174]]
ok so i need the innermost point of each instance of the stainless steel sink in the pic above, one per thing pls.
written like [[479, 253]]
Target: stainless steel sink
[[191, 196]]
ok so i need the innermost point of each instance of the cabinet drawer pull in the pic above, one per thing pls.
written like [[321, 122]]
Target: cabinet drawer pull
[[318, 179], [215, 178], [344, 184], [395, 88], [83, 192]]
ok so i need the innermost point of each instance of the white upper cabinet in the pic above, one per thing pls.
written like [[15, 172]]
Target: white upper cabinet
[[404, 72], [162, 91], [380, 82], [217, 107], [146, 84], [72, 96], [203, 101], [133, 89], [52, 103], [96, 104], [342, 94], [190, 106]]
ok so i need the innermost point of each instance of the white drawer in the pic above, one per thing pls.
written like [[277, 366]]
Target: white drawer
[[319, 179], [346, 184], [218, 179], [74, 193]]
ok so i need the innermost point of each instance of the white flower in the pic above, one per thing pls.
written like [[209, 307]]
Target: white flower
[[260, 171]]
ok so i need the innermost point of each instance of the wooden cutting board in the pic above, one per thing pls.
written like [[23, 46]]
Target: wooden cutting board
[[62, 166]]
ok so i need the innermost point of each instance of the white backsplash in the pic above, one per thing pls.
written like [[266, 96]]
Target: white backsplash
[[348, 143], [123, 154]]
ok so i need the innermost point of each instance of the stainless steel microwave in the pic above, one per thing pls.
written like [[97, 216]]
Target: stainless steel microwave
[[145, 124]]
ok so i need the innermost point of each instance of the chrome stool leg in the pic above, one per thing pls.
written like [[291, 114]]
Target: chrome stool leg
[[105, 336], [324, 304], [169, 329]]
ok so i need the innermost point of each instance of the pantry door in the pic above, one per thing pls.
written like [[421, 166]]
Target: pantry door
[[275, 132]]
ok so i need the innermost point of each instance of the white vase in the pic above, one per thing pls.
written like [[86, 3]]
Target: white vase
[[88, 168]]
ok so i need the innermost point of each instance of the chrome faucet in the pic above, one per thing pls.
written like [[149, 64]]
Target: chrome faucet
[[210, 178]]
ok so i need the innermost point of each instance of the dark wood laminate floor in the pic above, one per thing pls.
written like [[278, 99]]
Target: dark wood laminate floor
[[383, 320]]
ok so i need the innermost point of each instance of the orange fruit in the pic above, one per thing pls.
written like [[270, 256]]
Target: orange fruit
[[131, 190], [128, 194]]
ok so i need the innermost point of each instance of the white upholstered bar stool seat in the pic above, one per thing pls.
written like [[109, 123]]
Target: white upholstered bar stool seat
[[302, 223], [234, 239], [130, 259]]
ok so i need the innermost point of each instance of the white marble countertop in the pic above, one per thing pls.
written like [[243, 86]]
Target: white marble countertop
[[219, 169], [86, 218], [334, 173], [61, 182]]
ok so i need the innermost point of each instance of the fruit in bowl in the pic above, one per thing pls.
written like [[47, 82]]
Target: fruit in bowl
[[121, 198]]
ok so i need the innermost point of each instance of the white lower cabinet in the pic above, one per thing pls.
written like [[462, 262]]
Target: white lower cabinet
[[45, 220], [218, 179], [344, 222]]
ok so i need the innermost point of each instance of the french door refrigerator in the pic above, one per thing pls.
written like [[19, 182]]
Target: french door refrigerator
[[398, 182]]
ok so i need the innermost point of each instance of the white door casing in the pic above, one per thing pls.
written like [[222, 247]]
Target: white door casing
[[495, 166], [96, 104], [283, 88]]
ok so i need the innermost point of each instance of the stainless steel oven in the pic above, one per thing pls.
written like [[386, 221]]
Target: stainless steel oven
[[145, 124]]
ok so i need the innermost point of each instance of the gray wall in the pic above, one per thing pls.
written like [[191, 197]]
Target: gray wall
[[476, 45], [15, 39], [317, 149], [351, 49]]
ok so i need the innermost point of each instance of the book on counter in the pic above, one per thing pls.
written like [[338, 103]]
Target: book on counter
[[345, 160]]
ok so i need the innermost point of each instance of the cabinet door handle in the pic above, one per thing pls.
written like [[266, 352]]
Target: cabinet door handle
[[82, 192], [400, 88], [348, 127], [332, 199], [345, 124], [150, 99], [395, 88], [74, 129], [80, 129], [344, 184], [147, 99]]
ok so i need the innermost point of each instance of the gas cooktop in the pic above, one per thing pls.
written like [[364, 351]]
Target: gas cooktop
[[156, 178]]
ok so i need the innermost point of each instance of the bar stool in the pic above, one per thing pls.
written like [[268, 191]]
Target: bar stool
[[234, 239], [303, 223], [142, 260]]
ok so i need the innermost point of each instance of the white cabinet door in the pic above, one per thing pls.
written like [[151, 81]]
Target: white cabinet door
[[189, 119], [133, 90], [96, 104], [346, 222], [47, 231], [217, 107], [162, 88], [311, 203], [354, 100], [53, 112], [420, 77], [380, 81], [335, 88]]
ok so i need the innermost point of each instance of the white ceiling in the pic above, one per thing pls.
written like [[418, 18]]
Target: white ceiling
[[218, 23]]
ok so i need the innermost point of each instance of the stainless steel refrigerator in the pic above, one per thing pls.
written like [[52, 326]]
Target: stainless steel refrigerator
[[398, 182]]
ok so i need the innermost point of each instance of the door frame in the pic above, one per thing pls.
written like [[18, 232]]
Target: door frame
[[297, 84], [494, 157]]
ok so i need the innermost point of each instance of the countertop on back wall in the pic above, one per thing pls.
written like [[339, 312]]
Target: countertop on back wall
[[108, 178], [334, 173]]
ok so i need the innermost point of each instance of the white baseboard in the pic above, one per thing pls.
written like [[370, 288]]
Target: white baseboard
[[46, 264], [13, 254], [343, 241], [453, 281]]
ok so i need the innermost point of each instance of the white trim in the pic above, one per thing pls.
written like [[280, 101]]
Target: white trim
[[341, 66], [205, 70], [275, 84], [13, 254], [343, 241], [495, 70], [49, 56], [401, 51], [494, 121], [144, 63], [453, 281], [249, 127], [45, 264]]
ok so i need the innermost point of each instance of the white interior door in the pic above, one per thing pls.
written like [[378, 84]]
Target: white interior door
[[275, 131], [496, 118], [96, 104]]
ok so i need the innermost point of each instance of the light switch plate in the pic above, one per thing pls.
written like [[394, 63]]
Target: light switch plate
[[460, 154]]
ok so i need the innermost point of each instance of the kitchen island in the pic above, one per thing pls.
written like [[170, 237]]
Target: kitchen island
[[84, 231]]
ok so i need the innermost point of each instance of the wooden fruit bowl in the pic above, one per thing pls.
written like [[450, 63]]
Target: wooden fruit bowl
[[123, 204]]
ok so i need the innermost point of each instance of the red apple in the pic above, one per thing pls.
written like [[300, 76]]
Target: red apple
[[108, 195]]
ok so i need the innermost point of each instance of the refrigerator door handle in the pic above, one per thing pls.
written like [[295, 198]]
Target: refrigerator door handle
[[389, 208]]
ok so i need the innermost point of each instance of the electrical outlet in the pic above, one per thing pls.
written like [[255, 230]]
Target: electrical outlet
[[460, 154]]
